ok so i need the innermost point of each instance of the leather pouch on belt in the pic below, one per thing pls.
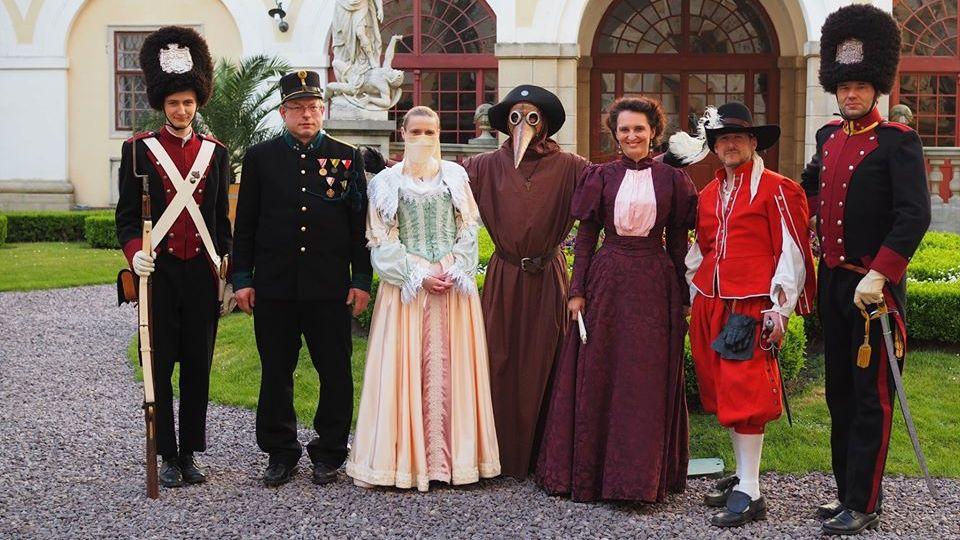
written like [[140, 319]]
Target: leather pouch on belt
[[737, 338]]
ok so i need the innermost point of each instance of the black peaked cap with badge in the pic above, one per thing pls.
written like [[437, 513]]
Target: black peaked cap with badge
[[174, 59], [859, 42], [300, 84], [548, 103]]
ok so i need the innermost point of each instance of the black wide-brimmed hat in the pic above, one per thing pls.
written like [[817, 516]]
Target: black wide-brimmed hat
[[174, 59], [545, 100], [735, 117], [859, 42], [300, 84]]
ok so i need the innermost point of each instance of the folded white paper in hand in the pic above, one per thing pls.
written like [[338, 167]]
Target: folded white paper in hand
[[583, 327]]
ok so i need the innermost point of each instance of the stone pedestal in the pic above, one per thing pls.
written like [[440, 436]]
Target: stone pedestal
[[375, 133], [35, 195]]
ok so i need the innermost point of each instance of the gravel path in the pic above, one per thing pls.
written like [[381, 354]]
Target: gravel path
[[71, 464]]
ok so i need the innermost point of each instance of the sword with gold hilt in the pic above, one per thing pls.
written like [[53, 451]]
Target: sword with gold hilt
[[144, 299], [883, 313]]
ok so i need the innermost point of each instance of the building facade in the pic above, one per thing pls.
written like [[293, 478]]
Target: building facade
[[69, 75]]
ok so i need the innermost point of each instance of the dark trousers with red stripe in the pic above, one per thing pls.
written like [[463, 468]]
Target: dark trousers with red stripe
[[185, 315], [860, 399]]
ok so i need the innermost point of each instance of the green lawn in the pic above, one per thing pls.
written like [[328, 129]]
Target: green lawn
[[49, 265], [932, 377]]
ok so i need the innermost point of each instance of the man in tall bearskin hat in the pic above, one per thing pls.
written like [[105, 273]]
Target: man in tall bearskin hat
[[867, 184], [524, 190], [301, 267], [188, 177]]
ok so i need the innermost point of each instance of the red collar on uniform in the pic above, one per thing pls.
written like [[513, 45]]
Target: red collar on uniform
[[745, 170], [168, 138], [863, 123]]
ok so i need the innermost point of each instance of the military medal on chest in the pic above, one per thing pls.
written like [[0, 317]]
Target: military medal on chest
[[323, 166], [330, 181], [333, 165]]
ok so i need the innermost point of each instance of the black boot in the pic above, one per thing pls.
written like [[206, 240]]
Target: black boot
[[829, 510], [191, 470], [850, 522], [278, 474], [170, 474], [741, 509], [324, 474], [721, 491]]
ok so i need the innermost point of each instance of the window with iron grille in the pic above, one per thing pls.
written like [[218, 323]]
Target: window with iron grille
[[929, 68], [447, 56], [129, 88]]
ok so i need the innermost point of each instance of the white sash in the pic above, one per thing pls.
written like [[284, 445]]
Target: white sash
[[184, 197]]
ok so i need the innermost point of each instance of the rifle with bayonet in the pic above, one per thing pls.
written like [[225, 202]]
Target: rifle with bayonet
[[139, 289]]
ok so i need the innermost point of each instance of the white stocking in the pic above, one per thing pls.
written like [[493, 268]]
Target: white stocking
[[747, 449]]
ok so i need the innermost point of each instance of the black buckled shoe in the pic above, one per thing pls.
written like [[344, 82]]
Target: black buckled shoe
[[278, 474], [741, 509], [324, 474], [170, 474], [191, 470], [717, 498], [850, 522]]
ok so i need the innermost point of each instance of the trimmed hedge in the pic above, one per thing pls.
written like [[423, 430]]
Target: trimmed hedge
[[100, 231], [47, 226], [3, 230], [792, 358], [933, 311]]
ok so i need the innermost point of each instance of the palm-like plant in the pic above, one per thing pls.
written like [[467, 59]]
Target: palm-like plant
[[240, 104]]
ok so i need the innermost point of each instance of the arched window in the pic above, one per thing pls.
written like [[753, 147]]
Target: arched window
[[688, 54], [447, 55], [929, 68]]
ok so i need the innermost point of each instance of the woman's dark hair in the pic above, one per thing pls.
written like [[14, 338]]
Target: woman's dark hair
[[647, 106]]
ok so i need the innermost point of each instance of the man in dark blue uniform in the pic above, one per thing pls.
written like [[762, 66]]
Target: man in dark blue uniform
[[301, 266], [188, 178], [867, 184]]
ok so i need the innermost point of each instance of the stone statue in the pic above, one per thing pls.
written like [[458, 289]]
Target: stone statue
[[377, 88], [362, 80], [481, 119], [901, 113]]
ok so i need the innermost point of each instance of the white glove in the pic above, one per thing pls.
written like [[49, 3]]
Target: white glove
[[143, 263], [869, 290]]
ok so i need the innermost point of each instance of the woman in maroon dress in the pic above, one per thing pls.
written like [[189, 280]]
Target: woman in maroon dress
[[616, 426]]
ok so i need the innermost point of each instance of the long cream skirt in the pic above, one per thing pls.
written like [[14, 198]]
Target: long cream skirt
[[425, 411]]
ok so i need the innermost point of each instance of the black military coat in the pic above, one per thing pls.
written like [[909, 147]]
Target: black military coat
[[301, 220], [868, 187]]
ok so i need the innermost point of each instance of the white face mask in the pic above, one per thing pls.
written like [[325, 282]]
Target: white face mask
[[418, 156]]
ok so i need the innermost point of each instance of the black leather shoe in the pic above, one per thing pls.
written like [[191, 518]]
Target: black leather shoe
[[191, 470], [170, 475], [829, 510], [740, 510], [278, 474], [324, 474], [850, 522], [718, 496]]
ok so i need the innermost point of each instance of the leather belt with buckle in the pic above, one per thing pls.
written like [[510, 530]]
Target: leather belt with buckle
[[530, 265]]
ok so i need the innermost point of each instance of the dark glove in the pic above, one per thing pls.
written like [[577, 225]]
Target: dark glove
[[373, 161], [736, 339]]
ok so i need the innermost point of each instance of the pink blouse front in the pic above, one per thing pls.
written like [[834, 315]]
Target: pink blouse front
[[635, 209]]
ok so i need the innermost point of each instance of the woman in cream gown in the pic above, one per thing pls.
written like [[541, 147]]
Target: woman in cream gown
[[425, 411]]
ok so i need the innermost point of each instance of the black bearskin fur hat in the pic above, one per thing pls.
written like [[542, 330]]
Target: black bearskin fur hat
[[859, 42], [174, 59]]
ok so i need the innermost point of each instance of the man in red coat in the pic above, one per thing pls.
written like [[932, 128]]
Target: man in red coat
[[750, 268]]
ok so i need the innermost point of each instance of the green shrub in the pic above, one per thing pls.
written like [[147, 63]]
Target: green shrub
[[933, 311], [47, 226], [101, 231], [935, 263], [3, 230], [940, 240], [486, 246], [792, 358]]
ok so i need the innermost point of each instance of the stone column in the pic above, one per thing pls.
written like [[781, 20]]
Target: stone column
[[550, 65], [33, 154]]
